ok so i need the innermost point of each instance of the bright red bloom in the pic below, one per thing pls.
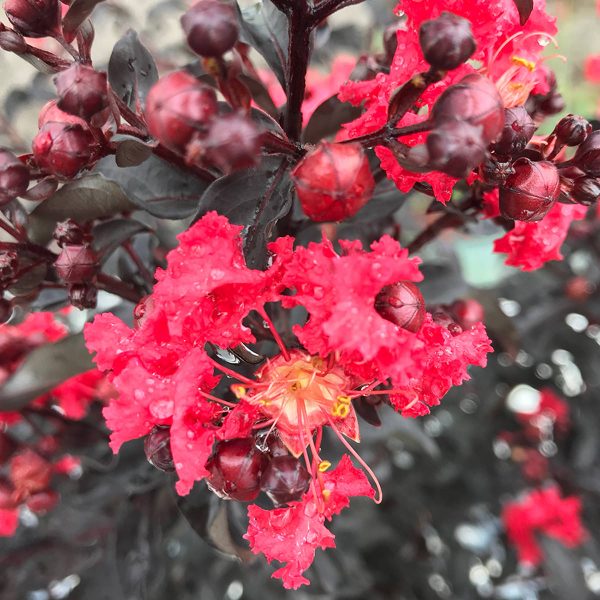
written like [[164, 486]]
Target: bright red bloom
[[592, 68], [9, 521], [292, 535], [545, 512]]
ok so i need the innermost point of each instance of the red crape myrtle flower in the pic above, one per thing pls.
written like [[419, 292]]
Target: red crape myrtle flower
[[164, 376], [543, 512], [510, 55]]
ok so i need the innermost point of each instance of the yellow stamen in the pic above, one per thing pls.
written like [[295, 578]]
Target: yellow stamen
[[239, 391], [323, 466], [326, 494], [523, 62]]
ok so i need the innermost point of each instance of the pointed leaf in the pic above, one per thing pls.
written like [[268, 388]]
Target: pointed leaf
[[78, 12]]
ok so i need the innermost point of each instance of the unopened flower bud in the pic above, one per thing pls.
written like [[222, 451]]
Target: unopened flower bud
[[285, 480], [63, 149], [211, 27], [531, 192], [11, 41], [333, 181], [467, 312], [14, 177], [518, 130], [552, 104], [455, 148], [232, 143], [178, 108], [587, 155], [572, 130], [235, 470], [586, 190], [447, 41], [69, 233], [34, 18], [443, 318], [50, 112], [29, 472], [83, 295], [42, 502], [402, 303], [82, 91], [157, 447], [76, 263], [474, 99], [495, 172], [9, 264]]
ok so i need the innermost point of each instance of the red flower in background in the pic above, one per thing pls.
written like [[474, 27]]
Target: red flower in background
[[543, 512], [164, 376]]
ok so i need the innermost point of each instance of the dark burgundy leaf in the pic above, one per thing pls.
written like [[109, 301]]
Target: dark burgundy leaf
[[328, 118], [109, 235], [524, 7], [78, 12]]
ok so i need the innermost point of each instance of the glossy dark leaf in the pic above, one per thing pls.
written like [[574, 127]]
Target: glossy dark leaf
[[328, 118], [43, 369], [260, 94], [524, 7], [156, 186], [131, 69], [266, 29], [109, 235], [78, 12], [256, 198], [82, 200], [214, 520], [131, 152]]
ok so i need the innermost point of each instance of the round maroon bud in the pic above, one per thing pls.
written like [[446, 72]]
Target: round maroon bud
[[531, 192], [76, 264], [232, 143], [34, 18], [518, 130], [235, 470], [63, 149], [474, 99], [285, 480], [333, 181], [14, 177], [587, 156], [211, 27], [42, 502], [157, 447], [572, 130], [586, 190], [8, 500], [455, 148], [447, 42], [402, 303], [69, 232], [495, 172], [83, 295], [444, 319], [467, 312], [552, 104], [179, 107], [82, 91], [9, 264], [7, 447], [50, 112], [29, 473]]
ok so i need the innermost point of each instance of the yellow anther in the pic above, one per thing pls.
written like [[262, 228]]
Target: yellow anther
[[264, 402], [326, 494], [239, 391], [523, 62], [418, 81], [323, 466], [340, 410], [344, 399]]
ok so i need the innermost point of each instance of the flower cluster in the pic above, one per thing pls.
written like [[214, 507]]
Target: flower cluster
[[165, 375]]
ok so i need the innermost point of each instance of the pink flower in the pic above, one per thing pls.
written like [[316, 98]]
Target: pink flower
[[543, 512]]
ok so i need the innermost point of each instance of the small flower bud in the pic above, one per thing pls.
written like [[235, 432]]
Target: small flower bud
[[552, 104], [34, 18], [50, 112], [587, 156], [467, 312], [447, 42], [579, 288], [9, 265], [42, 502], [232, 143], [474, 99], [455, 148], [11, 41], [211, 27], [63, 149], [83, 295], [69, 233], [494, 172], [586, 190], [572, 130], [14, 177], [29, 473], [76, 264], [402, 303], [444, 319], [178, 108], [333, 181], [285, 480], [82, 91], [235, 470], [518, 130], [531, 192], [157, 447]]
